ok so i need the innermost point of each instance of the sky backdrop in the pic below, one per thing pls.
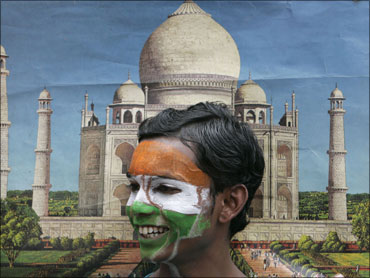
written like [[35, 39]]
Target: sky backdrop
[[72, 47]]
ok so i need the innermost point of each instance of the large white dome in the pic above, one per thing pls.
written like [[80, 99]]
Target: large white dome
[[190, 49]]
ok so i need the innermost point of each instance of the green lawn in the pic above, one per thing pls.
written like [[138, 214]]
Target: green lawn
[[41, 256], [16, 271], [349, 258]]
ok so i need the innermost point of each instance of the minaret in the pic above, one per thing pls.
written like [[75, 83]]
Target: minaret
[[41, 184], [5, 124], [337, 163]]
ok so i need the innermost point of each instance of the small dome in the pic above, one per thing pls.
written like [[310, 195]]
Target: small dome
[[336, 93], [250, 92], [45, 94], [129, 93], [2, 51]]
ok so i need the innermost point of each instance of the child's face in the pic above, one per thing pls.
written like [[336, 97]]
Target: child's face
[[170, 198]]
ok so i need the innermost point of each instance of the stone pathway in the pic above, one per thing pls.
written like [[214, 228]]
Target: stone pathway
[[126, 260], [121, 264], [257, 265]]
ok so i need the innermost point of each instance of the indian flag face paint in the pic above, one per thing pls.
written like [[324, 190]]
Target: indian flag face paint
[[170, 198]]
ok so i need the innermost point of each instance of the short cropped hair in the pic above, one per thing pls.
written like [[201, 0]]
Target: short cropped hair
[[226, 149]]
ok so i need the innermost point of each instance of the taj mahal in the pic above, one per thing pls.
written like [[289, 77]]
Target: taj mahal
[[188, 59]]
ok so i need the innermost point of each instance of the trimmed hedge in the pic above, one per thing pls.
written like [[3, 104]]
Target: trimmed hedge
[[43, 272], [94, 260], [34, 244], [66, 243], [72, 256], [272, 244]]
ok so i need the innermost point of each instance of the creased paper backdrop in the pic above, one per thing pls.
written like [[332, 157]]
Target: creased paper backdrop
[[72, 47]]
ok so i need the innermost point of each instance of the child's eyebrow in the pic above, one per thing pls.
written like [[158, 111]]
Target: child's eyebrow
[[162, 177]]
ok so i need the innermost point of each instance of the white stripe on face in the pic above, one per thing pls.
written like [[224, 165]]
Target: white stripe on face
[[153, 190]]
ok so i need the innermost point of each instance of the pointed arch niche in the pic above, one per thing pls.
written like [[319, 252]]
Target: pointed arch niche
[[92, 160], [127, 117], [139, 117], [124, 152], [284, 203], [284, 162], [261, 118], [256, 208], [250, 117], [123, 194]]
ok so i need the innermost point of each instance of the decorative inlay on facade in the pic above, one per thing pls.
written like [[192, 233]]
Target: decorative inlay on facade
[[117, 142], [123, 126], [181, 79], [116, 183], [287, 143]]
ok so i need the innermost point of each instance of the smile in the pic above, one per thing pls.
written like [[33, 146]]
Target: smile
[[152, 231]]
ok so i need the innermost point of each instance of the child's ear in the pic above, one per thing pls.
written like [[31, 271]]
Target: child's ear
[[234, 199]]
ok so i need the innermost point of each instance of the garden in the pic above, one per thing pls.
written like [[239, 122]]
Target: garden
[[328, 258], [75, 260]]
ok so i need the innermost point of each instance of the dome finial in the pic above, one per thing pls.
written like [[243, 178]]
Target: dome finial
[[336, 85], [129, 75], [250, 75], [188, 7]]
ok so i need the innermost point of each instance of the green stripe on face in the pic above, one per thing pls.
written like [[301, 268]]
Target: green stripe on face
[[180, 226]]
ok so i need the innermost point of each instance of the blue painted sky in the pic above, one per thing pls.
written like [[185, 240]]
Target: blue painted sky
[[71, 47]]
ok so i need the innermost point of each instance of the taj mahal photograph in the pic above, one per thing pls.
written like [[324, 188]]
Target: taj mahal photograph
[[81, 80]]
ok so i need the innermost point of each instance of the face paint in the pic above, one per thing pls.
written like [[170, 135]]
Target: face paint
[[155, 158], [166, 210]]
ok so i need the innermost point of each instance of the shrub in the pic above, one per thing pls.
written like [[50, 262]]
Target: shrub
[[272, 244], [291, 256], [315, 247], [305, 268], [277, 248], [78, 243], [333, 243], [89, 240], [311, 272], [282, 253], [55, 242], [306, 243], [44, 271], [66, 243], [74, 272], [93, 260], [34, 244]]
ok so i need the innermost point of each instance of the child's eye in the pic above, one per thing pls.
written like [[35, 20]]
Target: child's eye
[[134, 187], [164, 189]]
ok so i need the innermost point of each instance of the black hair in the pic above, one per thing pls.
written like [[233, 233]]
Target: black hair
[[226, 149]]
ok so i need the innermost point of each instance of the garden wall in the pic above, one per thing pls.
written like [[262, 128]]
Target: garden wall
[[257, 230]]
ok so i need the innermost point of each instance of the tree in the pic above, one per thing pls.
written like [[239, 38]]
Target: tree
[[361, 224], [332, 243], [19, 224]]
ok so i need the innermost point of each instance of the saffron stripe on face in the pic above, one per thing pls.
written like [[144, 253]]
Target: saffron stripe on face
[[190, 200], [155, 158]]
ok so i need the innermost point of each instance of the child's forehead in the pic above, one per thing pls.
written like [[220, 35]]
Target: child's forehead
[[168, 158]]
